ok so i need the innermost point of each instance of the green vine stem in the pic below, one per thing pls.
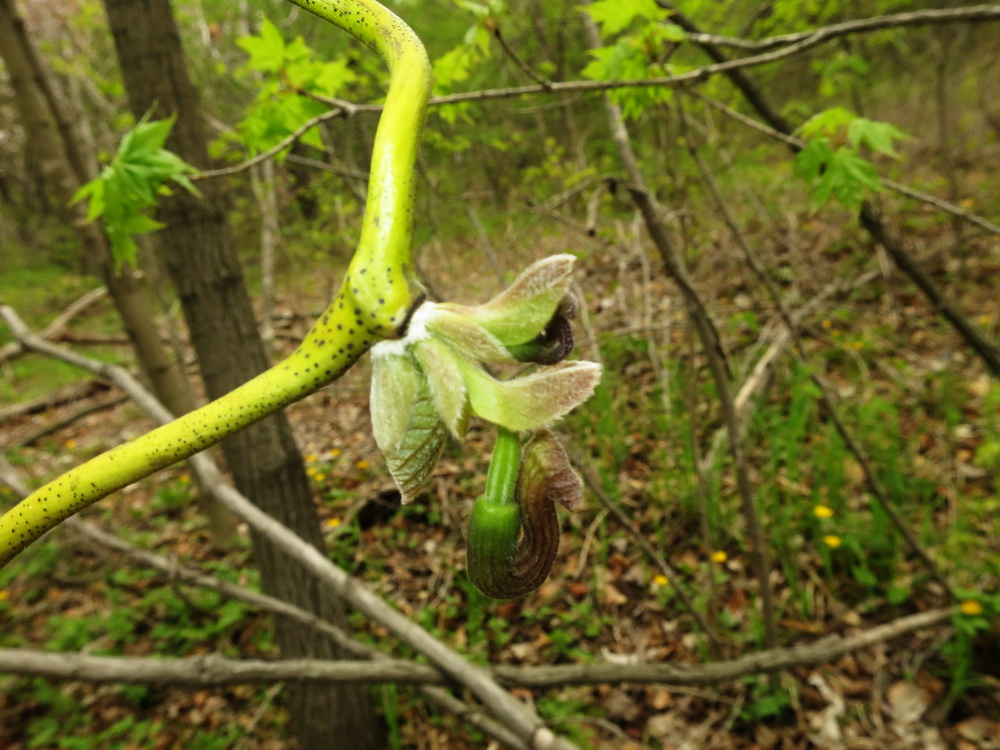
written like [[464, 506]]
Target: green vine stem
[[372, 304]]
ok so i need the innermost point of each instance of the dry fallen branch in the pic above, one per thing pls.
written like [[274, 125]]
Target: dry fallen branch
[[214, 670], [54, 329], [59, 397]]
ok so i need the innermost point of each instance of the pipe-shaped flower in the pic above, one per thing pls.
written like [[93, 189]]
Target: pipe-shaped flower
[[513, 531], [426, 384]]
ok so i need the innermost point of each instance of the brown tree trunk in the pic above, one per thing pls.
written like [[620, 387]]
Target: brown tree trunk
[[198, 252]]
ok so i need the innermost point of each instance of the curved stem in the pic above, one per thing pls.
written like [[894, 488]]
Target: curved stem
[[383, 251], [372, 303]]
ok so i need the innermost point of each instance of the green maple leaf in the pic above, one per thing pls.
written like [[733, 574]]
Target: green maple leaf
[[266, 50], [616, 15], [880, 137]]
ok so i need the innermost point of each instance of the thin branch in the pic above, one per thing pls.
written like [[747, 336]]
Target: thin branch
[[857, 26], [940, 302], [512, 54], [340, 109], [518, 717], [798, 143], [348, 109], [214, 670]]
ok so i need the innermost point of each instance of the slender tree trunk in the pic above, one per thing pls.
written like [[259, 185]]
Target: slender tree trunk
[[198, 252], [262, 179]]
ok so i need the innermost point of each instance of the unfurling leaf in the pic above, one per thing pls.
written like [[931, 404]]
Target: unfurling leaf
[[444, 379], [405, 422], [395, 383]]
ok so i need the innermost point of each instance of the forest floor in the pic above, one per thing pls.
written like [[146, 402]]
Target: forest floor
[[923, 405]]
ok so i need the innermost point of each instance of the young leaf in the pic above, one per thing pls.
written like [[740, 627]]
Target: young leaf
[[829, 123], [880, 137], [615, 15], [266, 50]]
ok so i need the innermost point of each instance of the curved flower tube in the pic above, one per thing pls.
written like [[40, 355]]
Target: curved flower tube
[[513, 530]]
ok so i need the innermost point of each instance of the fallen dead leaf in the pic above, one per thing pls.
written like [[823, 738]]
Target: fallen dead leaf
[[907, 702]]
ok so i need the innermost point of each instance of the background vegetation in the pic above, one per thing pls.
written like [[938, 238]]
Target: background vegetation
[[505, 181]]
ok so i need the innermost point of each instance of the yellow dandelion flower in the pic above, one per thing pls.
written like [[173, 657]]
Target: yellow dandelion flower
[[971, 607], [184, 478], [319, 477], [827, 323], [984, 320], [70, 444], [332, 523], [823, 511], [832, 541], [311, 471], [660, 580], [4, 595], [362, 464], [334, 453], [719, 557], [311, 458]]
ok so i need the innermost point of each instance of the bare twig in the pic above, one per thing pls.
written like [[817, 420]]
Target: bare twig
[[512, 54], [940, 302], [858, 26], [213, 670], [340, 109]]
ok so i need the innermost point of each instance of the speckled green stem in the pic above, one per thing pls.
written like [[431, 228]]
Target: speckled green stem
[[372, 303], [377, 280]]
